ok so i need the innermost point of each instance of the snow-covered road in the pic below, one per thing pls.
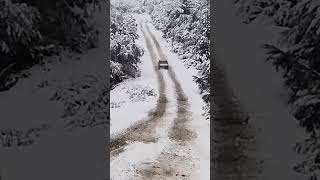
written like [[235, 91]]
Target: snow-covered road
[[172, 141]]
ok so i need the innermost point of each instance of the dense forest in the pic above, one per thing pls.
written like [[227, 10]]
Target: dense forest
[[31, 30], [296, 55]]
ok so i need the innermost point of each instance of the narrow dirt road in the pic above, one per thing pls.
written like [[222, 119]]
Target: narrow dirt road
[[176, 160], [169, 165], [179, 132]]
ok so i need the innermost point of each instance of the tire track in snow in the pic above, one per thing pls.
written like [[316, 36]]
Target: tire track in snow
[[176, 160], [234, 138], [179, 131], [143, 131]]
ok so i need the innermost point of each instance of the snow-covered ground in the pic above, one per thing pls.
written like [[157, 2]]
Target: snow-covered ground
[[58, 155], [259, 89], [137, 156]]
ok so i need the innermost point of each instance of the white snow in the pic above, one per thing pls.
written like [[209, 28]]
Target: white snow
[[129, 111], [259, 88], [123, 167]]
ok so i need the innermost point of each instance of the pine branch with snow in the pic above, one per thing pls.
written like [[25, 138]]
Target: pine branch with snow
[[297, 55], [125, 54]]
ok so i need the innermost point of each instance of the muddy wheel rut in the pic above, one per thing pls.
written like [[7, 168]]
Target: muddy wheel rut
[[179, 131], [170, 164], [235, 149]]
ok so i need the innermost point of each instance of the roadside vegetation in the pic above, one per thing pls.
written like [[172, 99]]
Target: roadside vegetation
[[125, 54], [32, 30], [296, 55]]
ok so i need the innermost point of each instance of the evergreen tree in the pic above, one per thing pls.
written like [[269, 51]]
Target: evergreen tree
[[125, 54], [297, 55], [301, 65]]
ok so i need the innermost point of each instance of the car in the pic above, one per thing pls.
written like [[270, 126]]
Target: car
[[163, 64]]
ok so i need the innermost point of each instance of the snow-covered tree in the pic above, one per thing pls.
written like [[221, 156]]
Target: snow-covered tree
[[19, 26], [277, 12], [125, 54]]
